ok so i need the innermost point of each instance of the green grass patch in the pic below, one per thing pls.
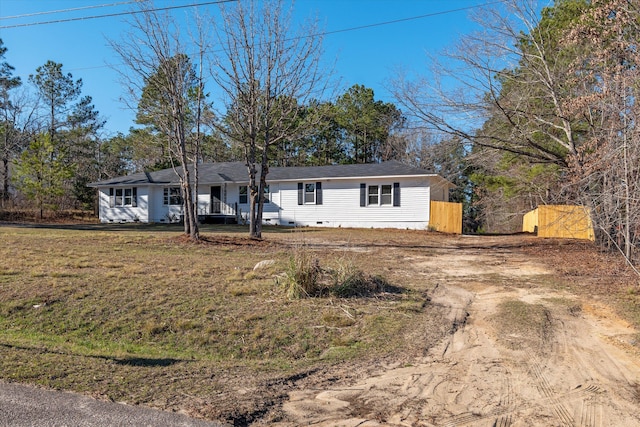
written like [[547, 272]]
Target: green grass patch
[[517, 322]]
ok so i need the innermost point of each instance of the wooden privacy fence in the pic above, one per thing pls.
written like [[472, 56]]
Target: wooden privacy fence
[[566, 221], [445, 217]]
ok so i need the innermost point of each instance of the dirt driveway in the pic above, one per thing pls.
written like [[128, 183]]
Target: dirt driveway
[[517, 355]]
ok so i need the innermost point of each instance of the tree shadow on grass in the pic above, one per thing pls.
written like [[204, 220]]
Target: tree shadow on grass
[[155, 227], [144, 362]]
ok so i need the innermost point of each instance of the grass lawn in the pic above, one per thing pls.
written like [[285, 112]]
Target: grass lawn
[[138, 314]]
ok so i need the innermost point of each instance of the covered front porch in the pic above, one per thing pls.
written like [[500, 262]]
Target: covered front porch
[[218, 210], [221, 213]]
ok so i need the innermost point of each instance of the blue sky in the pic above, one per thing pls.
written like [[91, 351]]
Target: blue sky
[[366, 56]]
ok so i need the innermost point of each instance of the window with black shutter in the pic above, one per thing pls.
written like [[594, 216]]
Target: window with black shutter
[[396, 194], [318, 193]]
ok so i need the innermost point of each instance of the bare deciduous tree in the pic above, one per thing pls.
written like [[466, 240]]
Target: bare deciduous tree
[[605, 173], [507, 82], [504, 89], [556, 89], [17, 128], [161, 80], [267, 73]]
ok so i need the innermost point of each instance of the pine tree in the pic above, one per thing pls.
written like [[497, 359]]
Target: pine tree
[[41, 173]]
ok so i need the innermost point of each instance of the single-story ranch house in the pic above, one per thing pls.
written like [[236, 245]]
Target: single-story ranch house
[[388, 194]]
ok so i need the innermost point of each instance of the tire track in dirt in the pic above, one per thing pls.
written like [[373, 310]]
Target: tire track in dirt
[[508, 415], [506, 401], [475, 377], [589, 414], [547, 391]]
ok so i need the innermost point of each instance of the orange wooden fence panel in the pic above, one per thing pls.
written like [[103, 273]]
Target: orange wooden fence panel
[[564, 221], [530, 221], [445, 217]]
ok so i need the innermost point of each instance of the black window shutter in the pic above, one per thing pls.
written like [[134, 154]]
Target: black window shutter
[[318, 193], [134, 197], [112, 200], [396, 194], [363, 194], [300, 193]]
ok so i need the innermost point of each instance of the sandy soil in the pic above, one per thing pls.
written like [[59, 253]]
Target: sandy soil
[[579, 367]]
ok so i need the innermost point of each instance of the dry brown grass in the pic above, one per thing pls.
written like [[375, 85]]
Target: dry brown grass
[[137, 313]]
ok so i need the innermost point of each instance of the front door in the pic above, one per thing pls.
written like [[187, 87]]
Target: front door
[[216, 203]]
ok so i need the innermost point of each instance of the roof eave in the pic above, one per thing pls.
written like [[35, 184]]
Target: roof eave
[[356, 177]]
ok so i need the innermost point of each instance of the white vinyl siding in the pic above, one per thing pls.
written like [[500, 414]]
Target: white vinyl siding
[[394, 202], [123, 204], [341, 204], [161, 212]]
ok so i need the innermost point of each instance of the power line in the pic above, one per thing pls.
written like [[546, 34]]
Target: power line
[[111, 15], [75, 9], [325, 33], [411, 18]]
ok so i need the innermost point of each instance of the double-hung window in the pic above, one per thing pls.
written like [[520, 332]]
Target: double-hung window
[[172, 196], [386, 196], [373, 195], [120, 197], [380, 195], [310, 193], [243, 195]]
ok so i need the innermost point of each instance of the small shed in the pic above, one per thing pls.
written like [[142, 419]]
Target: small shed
[[562, 221]]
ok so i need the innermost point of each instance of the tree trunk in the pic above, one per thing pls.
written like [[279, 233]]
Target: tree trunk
[[196, 223], [254, 233], [264, 170], [190, 218], [5, 181], [268, 74]]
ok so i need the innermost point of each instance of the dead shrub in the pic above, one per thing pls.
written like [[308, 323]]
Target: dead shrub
[[304, 277], [300, 279]]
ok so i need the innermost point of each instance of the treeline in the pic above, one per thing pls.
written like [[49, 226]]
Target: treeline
[[553, 96], [53, 141], [50, 139]]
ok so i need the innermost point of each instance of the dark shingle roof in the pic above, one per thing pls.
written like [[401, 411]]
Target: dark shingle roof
[[215, 173], [391, 168]]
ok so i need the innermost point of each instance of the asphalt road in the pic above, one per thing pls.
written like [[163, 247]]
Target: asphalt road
[[22, 405]]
